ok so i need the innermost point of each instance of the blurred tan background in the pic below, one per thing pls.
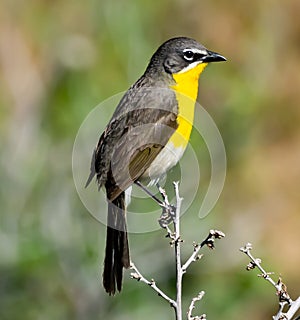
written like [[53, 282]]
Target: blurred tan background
[[59, 59]]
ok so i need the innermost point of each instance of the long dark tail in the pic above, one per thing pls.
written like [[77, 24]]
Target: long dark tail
[[117, 249]]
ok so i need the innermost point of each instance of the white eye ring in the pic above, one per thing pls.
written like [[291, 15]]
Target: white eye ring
[[188, 55]]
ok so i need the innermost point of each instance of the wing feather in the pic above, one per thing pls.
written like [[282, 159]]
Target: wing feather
[[140, 127]]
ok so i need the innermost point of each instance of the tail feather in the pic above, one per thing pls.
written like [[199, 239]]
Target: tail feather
[[117, 248]]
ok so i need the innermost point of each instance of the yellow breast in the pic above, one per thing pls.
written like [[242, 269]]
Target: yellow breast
[[186, 89]]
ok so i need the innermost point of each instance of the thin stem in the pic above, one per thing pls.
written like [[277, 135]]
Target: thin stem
[[194, 256], [209, 241], [192, 306], [177, 245], [139, 277], [255, 262], [172, 214], [295, 306], [281, 290]]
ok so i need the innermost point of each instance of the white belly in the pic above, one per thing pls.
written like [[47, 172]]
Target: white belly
[[166, 159]]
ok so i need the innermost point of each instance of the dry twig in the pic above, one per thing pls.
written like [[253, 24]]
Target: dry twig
[[281, 289], [139, 277], [192, 306], [172, 214]]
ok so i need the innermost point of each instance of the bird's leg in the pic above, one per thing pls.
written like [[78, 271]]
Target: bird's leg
[[154, 197], [169, 210]]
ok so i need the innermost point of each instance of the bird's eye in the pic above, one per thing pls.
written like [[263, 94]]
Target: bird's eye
[[188, 55]]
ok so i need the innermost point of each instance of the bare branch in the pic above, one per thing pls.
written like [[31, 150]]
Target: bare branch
[[281, 288], [256, 262], [209, 241], [295, 306], [171, 214], [192, 306], [177, 245], [139, 277]]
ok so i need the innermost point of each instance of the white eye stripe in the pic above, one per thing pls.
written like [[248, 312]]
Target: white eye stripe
[[192, 54], [195, 50]]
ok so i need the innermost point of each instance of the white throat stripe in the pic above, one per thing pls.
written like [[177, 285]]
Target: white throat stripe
[[190, 66]]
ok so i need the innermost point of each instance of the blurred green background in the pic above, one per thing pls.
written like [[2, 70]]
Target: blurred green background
[[58, 60]]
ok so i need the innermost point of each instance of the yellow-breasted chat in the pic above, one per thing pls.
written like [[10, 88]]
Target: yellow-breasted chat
[[146, 137]]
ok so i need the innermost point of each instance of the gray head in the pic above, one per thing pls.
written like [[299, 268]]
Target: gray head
[[180, 53]]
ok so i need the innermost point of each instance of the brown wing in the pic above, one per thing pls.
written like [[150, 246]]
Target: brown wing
[[136, 151], [142, 160], [139, 164], [140, 127]]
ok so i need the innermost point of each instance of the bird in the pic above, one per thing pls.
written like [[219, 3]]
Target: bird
[[145, 137]]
